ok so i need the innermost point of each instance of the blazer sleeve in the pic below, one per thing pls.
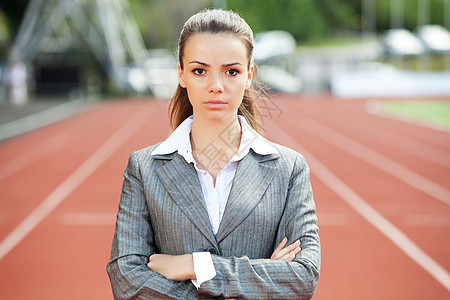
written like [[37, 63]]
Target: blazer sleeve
[[132, 245], [246, 278]]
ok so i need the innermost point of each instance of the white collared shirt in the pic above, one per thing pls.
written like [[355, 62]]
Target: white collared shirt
[[215, 196]]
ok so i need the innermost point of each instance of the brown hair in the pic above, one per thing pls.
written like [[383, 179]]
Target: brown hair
[[216, 21]]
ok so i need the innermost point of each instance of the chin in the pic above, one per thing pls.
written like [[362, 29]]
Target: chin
[[218, 115]]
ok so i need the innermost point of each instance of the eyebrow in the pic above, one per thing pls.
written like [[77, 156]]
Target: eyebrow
[[207, 65]]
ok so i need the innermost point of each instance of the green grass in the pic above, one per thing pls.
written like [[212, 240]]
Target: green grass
[[332, 41], [432, 112], [427, 63]]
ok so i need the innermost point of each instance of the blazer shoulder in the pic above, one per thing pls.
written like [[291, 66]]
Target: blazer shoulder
[[144, 155], [288, 161], [147, 151], [286, 154]]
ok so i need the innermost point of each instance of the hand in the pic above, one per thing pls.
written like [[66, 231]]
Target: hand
[[287, 253], [174, 267]]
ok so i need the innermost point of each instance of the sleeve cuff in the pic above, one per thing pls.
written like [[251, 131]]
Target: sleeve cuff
[[203, 268]]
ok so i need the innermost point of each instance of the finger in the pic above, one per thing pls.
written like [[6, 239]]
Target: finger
[[151, 260], [288, 257], [288, 249], [282, 253], [281, 245], [278, 248], [291, 255]]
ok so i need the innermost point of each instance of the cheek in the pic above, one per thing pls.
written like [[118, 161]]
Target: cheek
[[191, 84], [239, 89], [238, 96], [194, 94]]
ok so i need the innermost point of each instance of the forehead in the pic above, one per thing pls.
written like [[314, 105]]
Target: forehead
[[215, 47]]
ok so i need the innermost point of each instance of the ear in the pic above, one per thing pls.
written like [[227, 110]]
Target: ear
[[250, 76], [180, 76]]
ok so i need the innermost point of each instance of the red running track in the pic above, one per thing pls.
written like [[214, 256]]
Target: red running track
[[382, 189]]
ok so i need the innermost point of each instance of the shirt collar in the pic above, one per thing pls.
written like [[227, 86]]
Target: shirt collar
[[179, 141]]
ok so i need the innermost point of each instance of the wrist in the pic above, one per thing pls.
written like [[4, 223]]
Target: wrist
[[190, 272]]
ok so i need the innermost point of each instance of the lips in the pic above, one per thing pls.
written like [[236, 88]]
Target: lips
[[215, 104]]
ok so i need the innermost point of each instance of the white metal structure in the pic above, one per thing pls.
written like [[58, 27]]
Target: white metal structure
[[105, 26]]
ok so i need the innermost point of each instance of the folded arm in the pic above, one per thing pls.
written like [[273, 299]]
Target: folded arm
[[280, 278], [288, 275], [133, 243], [181, 267]]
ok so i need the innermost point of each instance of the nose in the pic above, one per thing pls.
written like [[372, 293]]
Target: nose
[[216, 85]]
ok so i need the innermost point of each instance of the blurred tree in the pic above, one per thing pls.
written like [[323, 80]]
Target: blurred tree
[[311, 19], [339, 14], [409, 13], [160, 21], [300, 17], [305, 19], [13, 10]]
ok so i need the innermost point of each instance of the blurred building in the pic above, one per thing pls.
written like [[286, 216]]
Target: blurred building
[[74, 47]]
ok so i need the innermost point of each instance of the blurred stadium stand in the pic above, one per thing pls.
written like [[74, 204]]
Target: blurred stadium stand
[[52, 30]]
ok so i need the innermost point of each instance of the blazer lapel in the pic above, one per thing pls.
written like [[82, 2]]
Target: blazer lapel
[[181, 182], [250, 182]]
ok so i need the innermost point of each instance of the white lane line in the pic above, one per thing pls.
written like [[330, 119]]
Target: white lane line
[[41, 119], [25, 159], [88, 218], [135, 122], [413, 147], [43, 149], [424, 220], [368, 212], [375, 159], [333, 219], [409, 145]]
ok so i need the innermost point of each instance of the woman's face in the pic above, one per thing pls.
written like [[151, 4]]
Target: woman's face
[[215, 74]]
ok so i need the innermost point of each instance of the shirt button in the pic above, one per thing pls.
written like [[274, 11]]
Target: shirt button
[[212, 250]]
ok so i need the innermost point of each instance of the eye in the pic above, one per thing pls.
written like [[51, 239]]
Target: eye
[[198, 71], [233, 72]]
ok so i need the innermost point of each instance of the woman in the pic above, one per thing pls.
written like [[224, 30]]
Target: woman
[[216, 210]]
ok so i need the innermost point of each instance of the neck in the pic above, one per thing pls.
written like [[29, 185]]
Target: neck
[[224, 134]]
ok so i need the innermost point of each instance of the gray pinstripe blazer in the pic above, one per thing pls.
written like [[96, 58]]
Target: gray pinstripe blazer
[[162, 210]]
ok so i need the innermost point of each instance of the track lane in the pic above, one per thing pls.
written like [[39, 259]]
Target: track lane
[[357, 122], [376, 158], [44, 174], [392, 145], [357, 260], [386, 194], [63, 266], [388, 229], [356, 257]]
